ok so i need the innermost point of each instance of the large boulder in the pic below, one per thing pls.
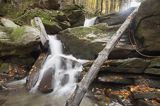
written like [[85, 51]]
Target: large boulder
[[75, 14], [86, 42], [148, 25], [18, 41]]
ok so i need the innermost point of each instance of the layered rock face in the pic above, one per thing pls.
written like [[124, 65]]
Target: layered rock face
[[148, 25], [18, 44]]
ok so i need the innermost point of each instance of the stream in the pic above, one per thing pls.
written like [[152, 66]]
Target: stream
[[63, 70]]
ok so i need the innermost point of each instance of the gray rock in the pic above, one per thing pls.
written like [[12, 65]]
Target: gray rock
[[8, 23], [4, 67], [152, 71], [46, 84], [65, 79], [148, 25], [148, 95], [154, 67], [131, 65], [19, 41], [115, 18], [86, 42]]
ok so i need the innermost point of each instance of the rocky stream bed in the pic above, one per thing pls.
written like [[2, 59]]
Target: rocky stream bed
[[131, 76]]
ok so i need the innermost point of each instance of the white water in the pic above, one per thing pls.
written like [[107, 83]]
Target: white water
[[54, 61], [89, 22], [133, 3]]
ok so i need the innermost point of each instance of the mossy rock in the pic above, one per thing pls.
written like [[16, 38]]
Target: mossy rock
[[12, 11], [20, 42], [75, 14], [85, 42], [54, 21]]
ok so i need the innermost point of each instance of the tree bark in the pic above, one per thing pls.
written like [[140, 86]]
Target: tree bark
[[101, 6], [35, 71], [43, 36], [83, 86]]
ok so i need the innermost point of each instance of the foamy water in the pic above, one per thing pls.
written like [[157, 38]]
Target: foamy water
[[132, 3], [89, 22], [56, 60]]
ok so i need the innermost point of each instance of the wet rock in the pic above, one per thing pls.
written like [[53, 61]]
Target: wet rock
[[147, 25], [91, 40], [115, 18], [46, 84], [65, 79], [67, 63]]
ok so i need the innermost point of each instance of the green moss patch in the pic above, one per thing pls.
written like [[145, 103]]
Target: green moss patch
[[17, 33]]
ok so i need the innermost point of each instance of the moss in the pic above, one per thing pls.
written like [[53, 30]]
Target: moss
[[100, 30], [17, 33], [82, 32], [45, 15], [12, 11]]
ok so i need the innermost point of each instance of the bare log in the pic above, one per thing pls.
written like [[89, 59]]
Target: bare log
[[34, 72], [43, 36], [83, 86]]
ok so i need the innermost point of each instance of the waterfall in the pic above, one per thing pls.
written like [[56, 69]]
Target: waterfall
[[89, 22], [65, 69], [129, 4]]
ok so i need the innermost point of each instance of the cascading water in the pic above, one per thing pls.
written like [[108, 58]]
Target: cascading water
[[89, 22], [64, 67], [132, 3]]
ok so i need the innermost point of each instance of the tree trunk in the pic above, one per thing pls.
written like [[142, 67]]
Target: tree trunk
[[101, 6], [43, 36], [97, 9], [83, 86], [74, 2]]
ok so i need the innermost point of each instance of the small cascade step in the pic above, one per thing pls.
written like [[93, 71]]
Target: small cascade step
[[59, 72]]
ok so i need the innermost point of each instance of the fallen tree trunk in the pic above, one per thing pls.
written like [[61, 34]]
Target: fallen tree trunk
[[83, 86], [43, 36], [35, 71]]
